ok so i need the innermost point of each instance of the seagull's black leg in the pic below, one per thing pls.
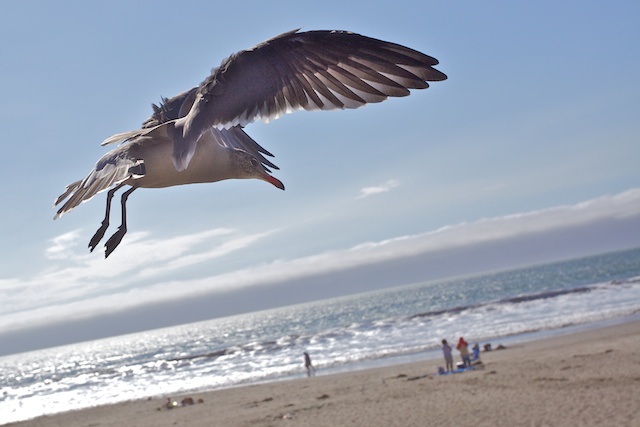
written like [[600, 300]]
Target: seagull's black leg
[[105, 222], [115, 240]]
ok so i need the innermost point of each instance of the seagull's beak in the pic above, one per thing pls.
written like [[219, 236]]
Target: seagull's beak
[[273, 181]]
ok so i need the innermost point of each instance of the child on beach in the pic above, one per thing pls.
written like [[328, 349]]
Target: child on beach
[[448, 358]]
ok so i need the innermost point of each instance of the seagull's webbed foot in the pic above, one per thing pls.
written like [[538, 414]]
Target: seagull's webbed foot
[[114, 240], [99, 235]]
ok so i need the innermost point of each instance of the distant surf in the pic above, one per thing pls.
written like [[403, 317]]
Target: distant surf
[[339, 334]]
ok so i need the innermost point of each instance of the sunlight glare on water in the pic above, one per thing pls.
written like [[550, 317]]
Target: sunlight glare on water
[[339, 334]]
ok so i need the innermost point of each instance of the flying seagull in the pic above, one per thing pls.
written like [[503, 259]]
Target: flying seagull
[[197, 136]]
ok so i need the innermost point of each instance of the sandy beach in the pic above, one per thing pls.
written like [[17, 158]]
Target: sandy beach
[[589, 378]]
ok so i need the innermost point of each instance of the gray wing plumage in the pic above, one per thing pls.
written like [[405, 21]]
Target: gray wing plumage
[[314, 70], [237, 138]]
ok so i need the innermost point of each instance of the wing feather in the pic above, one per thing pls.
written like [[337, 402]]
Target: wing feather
[[310, 70], [237, 138]]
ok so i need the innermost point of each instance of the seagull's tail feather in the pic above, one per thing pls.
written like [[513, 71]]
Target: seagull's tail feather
[[112, 169], [71, 188]]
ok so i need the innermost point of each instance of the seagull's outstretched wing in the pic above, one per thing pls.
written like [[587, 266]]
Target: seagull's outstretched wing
[[314, 70]]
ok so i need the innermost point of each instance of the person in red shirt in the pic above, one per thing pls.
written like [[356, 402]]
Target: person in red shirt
[[463, 348]]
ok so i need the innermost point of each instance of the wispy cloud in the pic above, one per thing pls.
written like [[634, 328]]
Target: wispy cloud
[[370, 191], [207, 254], [144, 270], [61, 245], [80, 278]]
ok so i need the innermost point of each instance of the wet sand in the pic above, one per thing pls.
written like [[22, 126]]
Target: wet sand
[[589, 378]]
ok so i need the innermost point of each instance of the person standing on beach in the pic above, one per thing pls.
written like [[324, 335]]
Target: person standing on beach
[[448, 358], [463, 348], [307, 364]]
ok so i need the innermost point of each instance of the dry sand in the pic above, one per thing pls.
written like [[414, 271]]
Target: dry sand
[[587, 378]]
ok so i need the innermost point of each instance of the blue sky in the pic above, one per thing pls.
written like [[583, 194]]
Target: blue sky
[[534, 136]]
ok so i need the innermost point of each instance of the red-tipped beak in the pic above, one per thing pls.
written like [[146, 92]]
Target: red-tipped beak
[[273, 181]]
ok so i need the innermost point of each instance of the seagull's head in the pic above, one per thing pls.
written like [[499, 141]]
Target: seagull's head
[[247, 167]]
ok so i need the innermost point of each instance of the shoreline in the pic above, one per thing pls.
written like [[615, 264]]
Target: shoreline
[[584, 377], [435, 353]]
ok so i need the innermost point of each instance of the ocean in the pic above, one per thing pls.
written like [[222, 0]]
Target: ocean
[[384, 327]]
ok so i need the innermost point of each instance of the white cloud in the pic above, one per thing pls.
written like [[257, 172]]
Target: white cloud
[[61, 245], [369, 191], [96, 286], [92, 277], [210, 253]]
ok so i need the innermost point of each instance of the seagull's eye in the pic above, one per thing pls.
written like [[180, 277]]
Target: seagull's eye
[[254, 162]]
